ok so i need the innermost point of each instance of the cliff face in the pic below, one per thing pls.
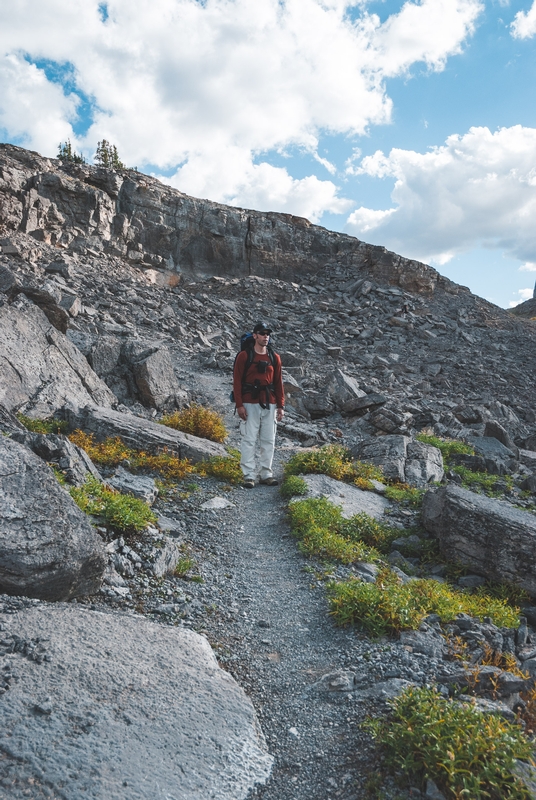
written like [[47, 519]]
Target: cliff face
[[136, 217]]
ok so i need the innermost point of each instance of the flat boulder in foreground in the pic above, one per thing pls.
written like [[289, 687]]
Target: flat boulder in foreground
[[142, 434], [115, 706], [490, 536], [48, 549], [350, 499]]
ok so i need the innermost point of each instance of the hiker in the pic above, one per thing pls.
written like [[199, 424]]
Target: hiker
[[259, 399]]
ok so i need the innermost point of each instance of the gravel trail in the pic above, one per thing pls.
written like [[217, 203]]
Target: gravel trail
[[281, 640]]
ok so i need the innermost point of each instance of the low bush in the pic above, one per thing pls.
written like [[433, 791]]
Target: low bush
[[467, 754], [335, 461], [293, 486], [321, 529], [448, 447], [121, 511], [481, 480], [221, 467], [199, 421], [389, 606], [45, 426], [113, 451], [405, 495]]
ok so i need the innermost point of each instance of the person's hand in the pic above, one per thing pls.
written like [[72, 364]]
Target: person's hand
[[242, 413], [280, 413]]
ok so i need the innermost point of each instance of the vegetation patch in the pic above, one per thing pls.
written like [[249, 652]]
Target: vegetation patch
[[482, 480], [324, 532], [199, 421], [45, 426], [121, 511], [113, 451], [293, 486], [389, 606], [221, 467], [448, 447], [405, 495], [335, 461], [466, 753]]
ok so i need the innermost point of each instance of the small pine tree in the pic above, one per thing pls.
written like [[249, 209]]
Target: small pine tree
[[66, 153], [107, 156]]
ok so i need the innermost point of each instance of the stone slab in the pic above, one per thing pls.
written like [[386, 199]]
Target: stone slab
[[351, 499]]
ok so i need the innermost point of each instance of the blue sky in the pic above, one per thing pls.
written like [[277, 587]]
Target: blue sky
[[410, 125]]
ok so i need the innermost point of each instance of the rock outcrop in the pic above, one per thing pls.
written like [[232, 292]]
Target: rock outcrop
[[145, 713], [41, 369], [48, 549], [489, 536], [142, 434]]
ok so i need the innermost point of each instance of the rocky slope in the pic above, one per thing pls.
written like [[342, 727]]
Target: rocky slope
[[119, 298]]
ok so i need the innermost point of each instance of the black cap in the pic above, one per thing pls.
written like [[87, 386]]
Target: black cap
[[261, 326]]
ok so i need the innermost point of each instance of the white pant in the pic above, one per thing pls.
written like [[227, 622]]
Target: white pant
[[260, 423]]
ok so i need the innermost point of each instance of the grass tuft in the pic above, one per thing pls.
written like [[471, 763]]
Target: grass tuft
[[335, 461], [389, 606], [466, 753], [121, 511], [221, 467], [45, 426], [199, 421], [405, 495], [293, 486]]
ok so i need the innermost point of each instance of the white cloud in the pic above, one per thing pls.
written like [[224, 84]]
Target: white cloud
[[524, 294], [529, 266], [475, 190], [237, 78], [524, 24]]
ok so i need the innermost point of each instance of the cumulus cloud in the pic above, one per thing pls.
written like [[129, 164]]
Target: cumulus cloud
[[524, 24], [529, 266], [524, 294], [476, 189], [208, 87]]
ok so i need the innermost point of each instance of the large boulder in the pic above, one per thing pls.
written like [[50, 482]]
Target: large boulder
[[402, 459], [115, 706], [141, 434], [349, 498], [41, 369], [489, 536], [48, 549]]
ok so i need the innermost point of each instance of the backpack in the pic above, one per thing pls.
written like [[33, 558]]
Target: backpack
[[247, 342]]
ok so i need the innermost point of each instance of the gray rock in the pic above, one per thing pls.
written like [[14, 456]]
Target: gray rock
[[124, 708], [141, 486], [340, 681], [41, 369], [391, 419], [528, 458], [430, 643], [386, 452], [471, 581], [424, 464], [497, 457], [432, 792], [371, 400], [156, 381], [70, 459], [165, 556], [487, 535], [351, 499], [142, 434], [48, 548], [343, 388], [104, 355], [8, 280]]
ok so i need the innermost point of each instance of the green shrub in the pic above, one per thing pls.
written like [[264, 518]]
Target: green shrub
[[480, 480], [293, 486], [198, 421], [335, 461], [224, 468], [49, 425], [320, 527], [466, 753], [121, 511], [366, 529], [389, 606], [405, 495], [448, 447]]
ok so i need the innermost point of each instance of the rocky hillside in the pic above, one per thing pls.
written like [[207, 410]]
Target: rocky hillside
[[121, 298]]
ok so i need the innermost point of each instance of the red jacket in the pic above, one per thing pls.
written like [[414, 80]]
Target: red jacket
[[272, 375]]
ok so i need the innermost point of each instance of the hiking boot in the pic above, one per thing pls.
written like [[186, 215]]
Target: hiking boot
[[269, 481], [249, 484]]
